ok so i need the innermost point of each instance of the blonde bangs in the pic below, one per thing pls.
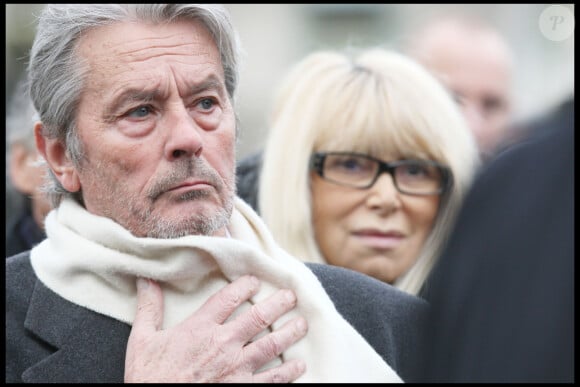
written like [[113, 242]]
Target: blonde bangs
[[383, 125]]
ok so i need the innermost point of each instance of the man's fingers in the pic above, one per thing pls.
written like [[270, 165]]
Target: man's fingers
[[261, 315], [274, 343], [220, 306], [287, 372], [149, 316]]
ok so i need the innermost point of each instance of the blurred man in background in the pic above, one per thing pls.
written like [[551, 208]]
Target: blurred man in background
[[475, 62], [24, 226]]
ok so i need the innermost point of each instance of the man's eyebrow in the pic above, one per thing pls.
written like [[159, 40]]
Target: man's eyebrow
[[210, 83], [143, 95], [131, 95]]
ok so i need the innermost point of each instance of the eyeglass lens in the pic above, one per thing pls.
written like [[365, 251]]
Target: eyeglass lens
[[410, 176]]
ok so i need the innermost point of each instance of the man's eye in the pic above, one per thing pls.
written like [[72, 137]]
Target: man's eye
[[140, 112], [206, 103]]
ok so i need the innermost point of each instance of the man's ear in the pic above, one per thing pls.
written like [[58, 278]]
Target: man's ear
[[57, 158]]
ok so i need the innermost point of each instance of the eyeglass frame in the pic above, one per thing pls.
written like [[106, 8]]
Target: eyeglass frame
[[317, 162]]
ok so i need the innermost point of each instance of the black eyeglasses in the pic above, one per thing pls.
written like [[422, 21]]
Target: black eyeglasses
[[412, 177]]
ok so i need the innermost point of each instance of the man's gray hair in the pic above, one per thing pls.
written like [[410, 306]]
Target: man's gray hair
[[57, 74]]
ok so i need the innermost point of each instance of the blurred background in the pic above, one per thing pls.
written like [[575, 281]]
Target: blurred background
[[275, 36]]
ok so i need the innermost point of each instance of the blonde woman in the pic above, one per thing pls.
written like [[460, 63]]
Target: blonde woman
[[366, 164]]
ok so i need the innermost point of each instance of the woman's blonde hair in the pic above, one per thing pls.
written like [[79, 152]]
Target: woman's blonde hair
[[372, 101]]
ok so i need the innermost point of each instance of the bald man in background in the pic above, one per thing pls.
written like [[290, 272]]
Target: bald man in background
[[475, 63]]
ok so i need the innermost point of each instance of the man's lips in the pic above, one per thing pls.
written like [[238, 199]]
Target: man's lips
[[187, 186]]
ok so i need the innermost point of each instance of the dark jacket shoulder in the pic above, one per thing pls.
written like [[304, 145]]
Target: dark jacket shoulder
[[389, 319], [49, 339], [248, 172]]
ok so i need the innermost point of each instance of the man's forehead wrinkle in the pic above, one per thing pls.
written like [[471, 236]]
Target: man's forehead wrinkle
[[153, 46], [145, 94]]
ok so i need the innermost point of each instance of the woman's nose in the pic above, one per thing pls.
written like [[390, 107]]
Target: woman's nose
[[383, 194]]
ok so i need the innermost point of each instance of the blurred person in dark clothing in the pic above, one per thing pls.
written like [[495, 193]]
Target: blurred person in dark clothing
[[24, 228], [502, 293]]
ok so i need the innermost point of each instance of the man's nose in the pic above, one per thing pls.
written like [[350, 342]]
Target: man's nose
[[185, 136]]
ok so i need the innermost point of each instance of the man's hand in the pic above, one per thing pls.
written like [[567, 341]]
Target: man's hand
[[205, 348]]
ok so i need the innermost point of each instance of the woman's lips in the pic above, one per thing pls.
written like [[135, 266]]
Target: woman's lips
[[380, 241]]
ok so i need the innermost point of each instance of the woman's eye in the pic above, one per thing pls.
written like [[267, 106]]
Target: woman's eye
[[350, 164], [417, 170], [414, 170]]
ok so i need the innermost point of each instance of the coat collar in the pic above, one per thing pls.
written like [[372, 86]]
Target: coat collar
[[81, 352]]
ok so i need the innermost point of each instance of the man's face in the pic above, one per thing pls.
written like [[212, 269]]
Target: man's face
[[158, 129], [476, 67], [481, 86]]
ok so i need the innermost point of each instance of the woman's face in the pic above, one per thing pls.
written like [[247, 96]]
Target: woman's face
[[377, 231]]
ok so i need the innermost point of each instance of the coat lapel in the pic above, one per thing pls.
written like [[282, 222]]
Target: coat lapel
[[88, 347]]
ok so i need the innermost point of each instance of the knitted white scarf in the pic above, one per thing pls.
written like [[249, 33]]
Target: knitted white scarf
[[94, 262]]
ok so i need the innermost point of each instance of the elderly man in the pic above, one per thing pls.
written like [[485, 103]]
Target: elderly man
[[153, 270]]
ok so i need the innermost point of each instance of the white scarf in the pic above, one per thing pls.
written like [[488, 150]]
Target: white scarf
[[92, 261]]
